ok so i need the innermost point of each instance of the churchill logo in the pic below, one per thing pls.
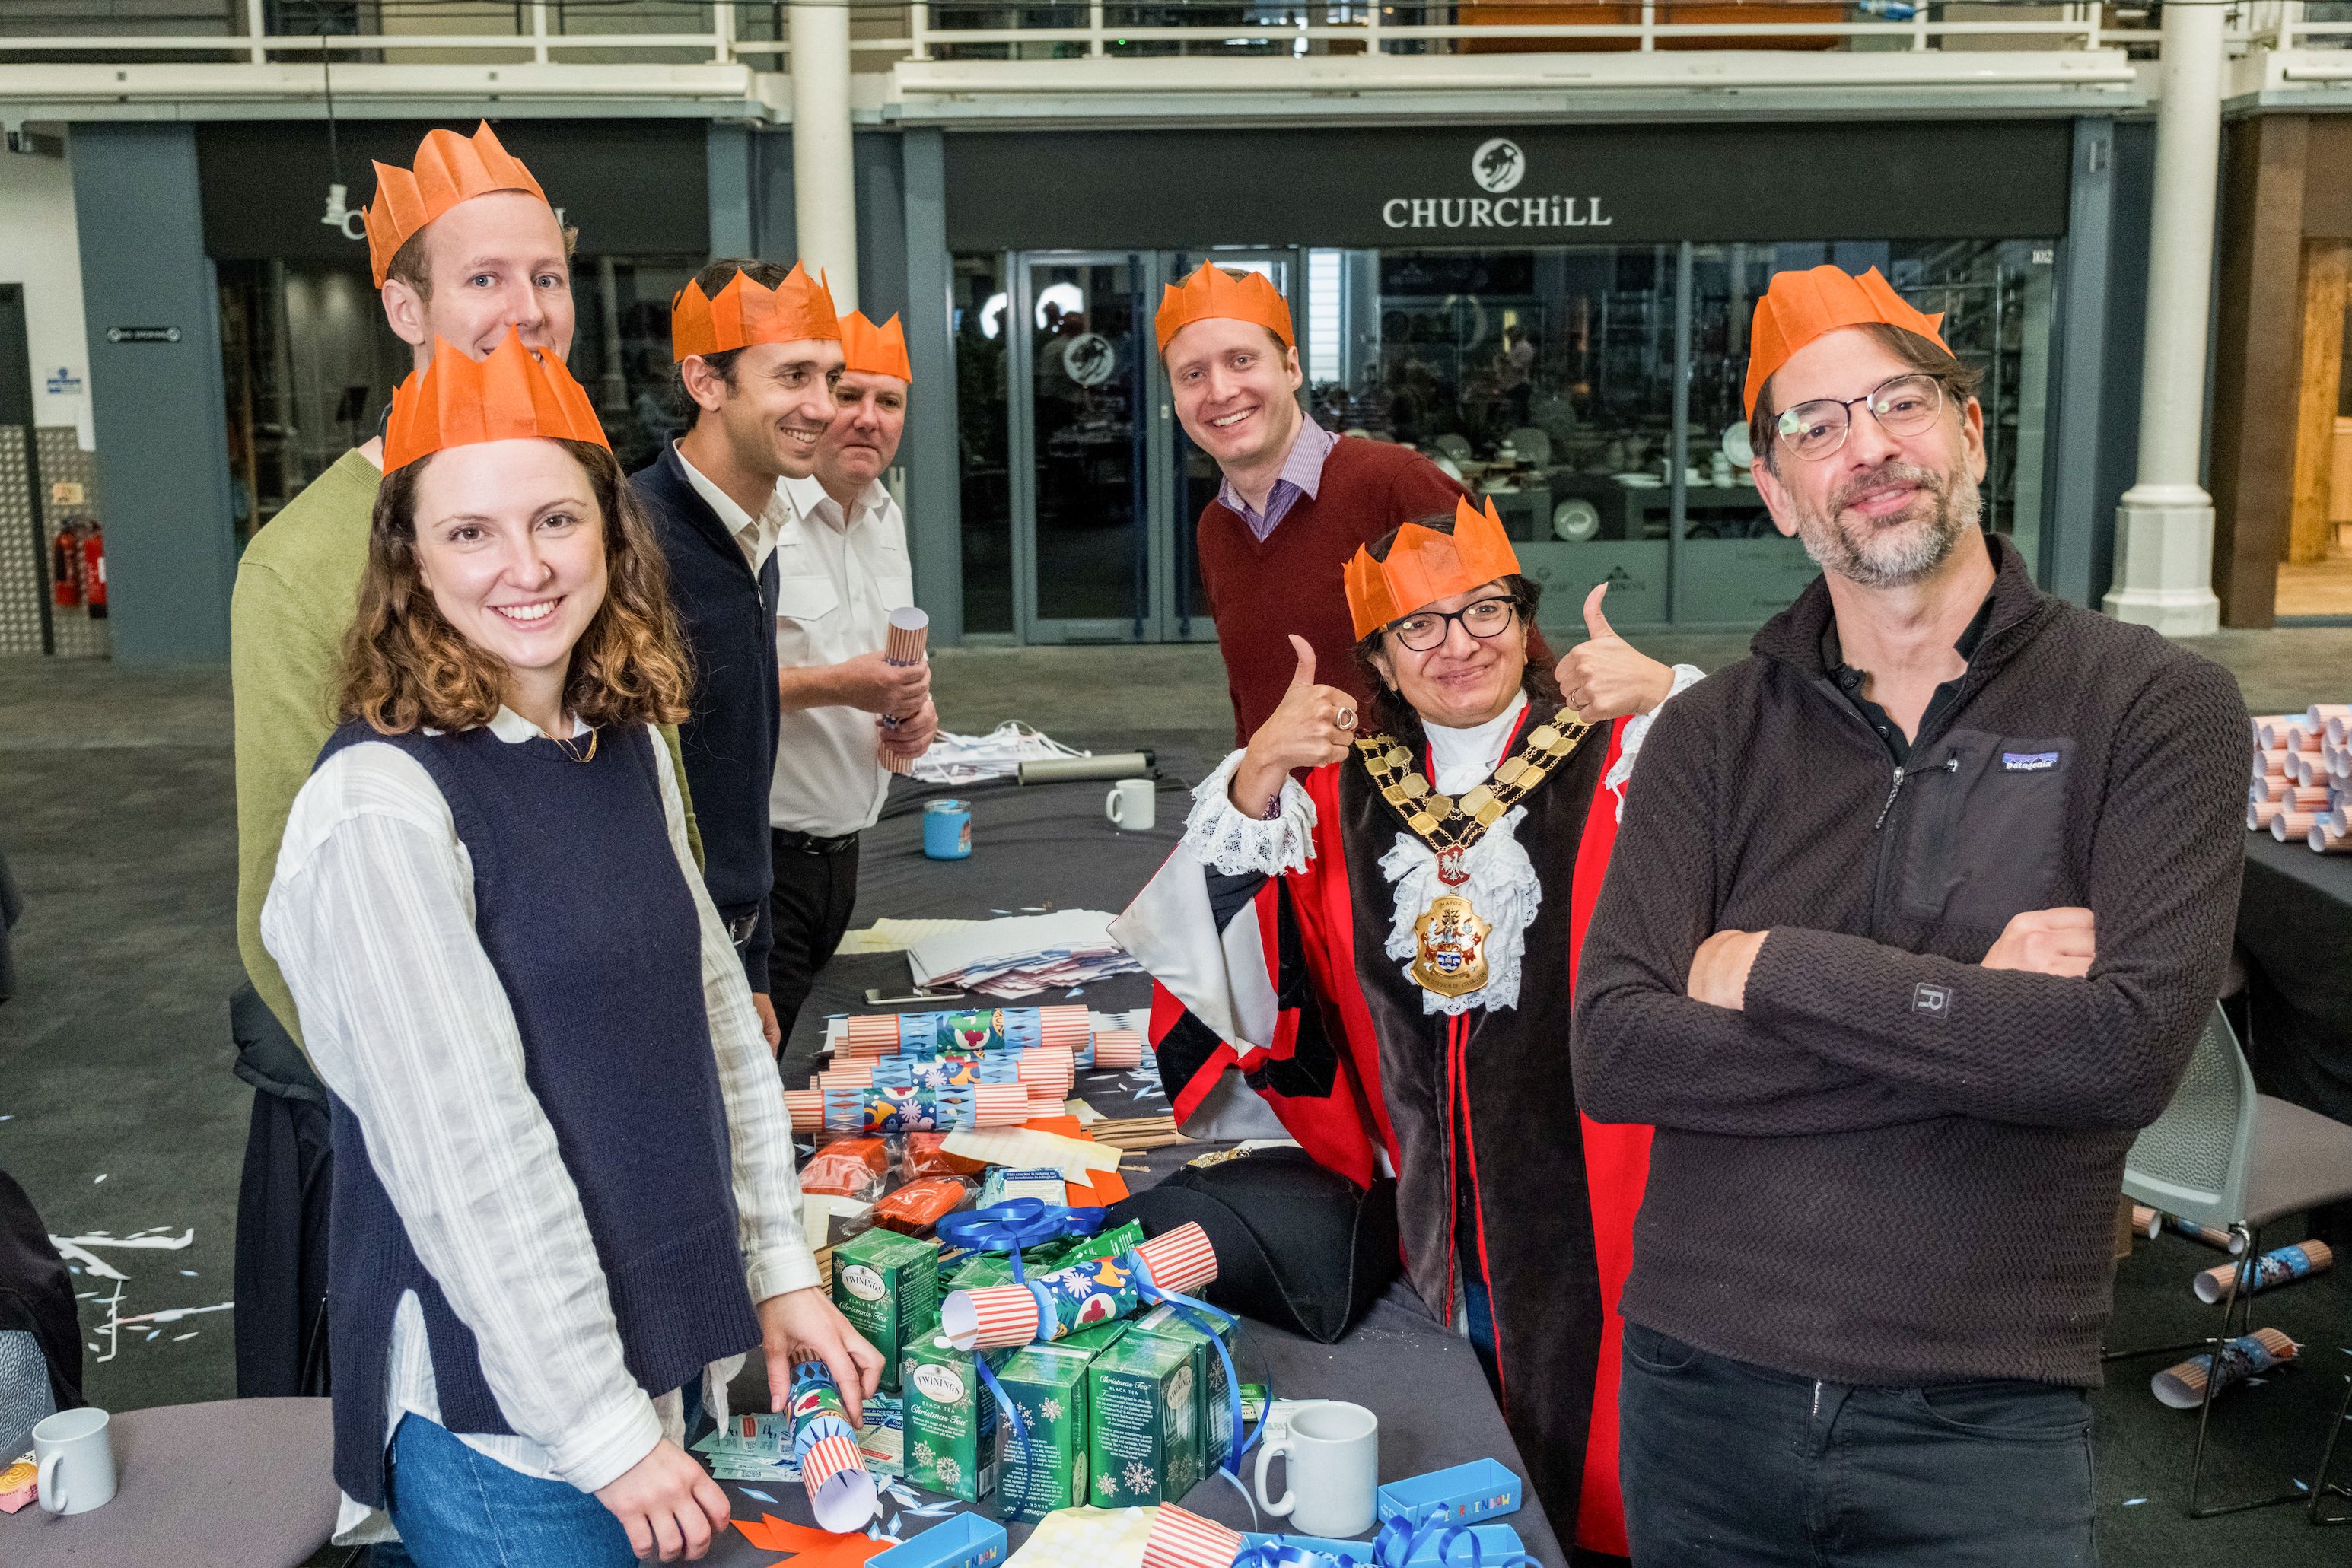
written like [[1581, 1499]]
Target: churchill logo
[[1499, 166]]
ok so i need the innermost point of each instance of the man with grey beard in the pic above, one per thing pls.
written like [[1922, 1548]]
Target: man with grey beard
[[1915, 917]]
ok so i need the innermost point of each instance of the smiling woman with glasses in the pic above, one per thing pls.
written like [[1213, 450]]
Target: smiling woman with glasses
[[1431, 869]]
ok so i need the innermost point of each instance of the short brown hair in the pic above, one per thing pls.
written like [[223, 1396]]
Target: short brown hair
[[1391, 714], [1958, 378], [405, 667], [711, 280], [411, 265]]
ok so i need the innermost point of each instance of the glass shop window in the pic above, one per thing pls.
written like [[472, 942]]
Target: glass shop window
[[980, 303]]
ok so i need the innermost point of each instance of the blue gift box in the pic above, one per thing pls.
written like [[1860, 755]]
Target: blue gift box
[[1497, 1543], [1480, 1488], [962, 1541]]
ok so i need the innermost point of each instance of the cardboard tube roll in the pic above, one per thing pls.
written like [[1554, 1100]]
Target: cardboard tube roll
[[2182, 1387], [2146, 1221], [2259, 814], [1180, 1262], [2289, 825], [994, 1317], [806, 1108], [875, 1032], [2281, 1266], [2327, 842], [2306, 797], [841, 1491], [1182, 1540], [1119, 1048], [1063, 769]]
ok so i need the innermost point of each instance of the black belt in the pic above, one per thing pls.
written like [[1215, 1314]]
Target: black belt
[[811, 844]]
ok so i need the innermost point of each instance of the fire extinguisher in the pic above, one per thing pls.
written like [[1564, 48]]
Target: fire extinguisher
[[93, 568], [65, 568]]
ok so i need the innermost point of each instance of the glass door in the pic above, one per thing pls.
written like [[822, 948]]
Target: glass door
[[1081, 376], [1192, 476]]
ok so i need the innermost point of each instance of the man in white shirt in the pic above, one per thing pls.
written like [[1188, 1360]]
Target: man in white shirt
[[756, 349], [842, 568]]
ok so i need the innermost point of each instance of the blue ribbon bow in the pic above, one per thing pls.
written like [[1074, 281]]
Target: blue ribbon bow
[[1015, 1223]]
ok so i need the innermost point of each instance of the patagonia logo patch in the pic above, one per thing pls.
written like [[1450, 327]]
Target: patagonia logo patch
[[2028, 762], [1936, 1001]]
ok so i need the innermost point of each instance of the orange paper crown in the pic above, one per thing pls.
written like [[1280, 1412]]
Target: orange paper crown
[[450, 169], [1799, 306], [876, 351], [1212, 292], [515, 394], [1424, 566], [744, 313]]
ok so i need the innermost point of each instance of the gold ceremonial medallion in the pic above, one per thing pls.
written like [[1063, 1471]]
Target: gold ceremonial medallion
[[1450, 947]]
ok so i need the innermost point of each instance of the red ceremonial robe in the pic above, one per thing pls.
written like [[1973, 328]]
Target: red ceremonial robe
[[1501, 1181]]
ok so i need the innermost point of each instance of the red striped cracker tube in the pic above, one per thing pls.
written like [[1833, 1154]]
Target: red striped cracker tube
[[997, 1317], [1119, 1048], [2261, 814], [2183, 1386], [841, 1491], [2327, 840], [1067, 1028], [872, 1034], [1180, 1262], [1182, 1540], [806, 1108], [2304, 798], [2270, 762], [2294, 825], [994, 1317], [910, 635]]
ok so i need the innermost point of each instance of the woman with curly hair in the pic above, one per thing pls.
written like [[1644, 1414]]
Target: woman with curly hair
[[564, 1186]]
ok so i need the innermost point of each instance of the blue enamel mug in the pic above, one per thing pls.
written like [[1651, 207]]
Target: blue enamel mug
[[946, 830]]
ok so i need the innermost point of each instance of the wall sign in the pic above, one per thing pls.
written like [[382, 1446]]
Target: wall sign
[[1528, 186], [142, 334]]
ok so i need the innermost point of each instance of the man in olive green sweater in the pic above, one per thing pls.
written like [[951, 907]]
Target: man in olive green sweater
[[463, 246]]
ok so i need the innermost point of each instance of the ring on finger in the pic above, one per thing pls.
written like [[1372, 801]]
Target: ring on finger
[[1345, 719]]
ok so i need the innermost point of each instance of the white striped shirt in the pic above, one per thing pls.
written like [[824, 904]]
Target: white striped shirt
[[371, 915]]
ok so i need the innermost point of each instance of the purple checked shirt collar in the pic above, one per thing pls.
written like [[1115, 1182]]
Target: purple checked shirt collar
[[1302, 474]]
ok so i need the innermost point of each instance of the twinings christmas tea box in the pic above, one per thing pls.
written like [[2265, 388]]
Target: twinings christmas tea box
[[1145, 1442], [1216, 1406], [951, 1436], [1045, 1461], [887, 1286]]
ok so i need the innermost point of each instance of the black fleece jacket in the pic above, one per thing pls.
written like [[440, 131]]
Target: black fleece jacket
[[729, 743], [1895, 1166]]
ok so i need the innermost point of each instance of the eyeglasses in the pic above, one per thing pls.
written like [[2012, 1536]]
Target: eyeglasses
[[1425, 628], [1904, 406]]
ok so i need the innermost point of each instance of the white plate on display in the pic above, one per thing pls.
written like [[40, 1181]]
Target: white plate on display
[[1575, 521], [1532, 444], [1639, 481], [1454, 446], [1735, 446]]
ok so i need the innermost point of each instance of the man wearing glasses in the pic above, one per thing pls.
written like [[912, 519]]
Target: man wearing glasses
[[1918, 913]]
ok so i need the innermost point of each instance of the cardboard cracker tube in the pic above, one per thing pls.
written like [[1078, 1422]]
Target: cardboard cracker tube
[[906, 642], [2280, 1266], [2261, 814], [2182, 1387], [2292, 825], [2322, 842]]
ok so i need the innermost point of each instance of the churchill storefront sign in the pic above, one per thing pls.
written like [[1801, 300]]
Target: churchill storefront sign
[[1496, 165], [1448, 186]]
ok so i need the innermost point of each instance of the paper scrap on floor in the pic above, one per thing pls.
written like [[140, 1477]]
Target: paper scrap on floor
[[1032, 1149], [1022, 955], [977, 758], [896, 935]]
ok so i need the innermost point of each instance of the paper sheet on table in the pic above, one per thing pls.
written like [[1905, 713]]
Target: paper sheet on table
[[1087, 1115], [1026, 1148], [1087, 1538], [1017, 955], [898, 935]]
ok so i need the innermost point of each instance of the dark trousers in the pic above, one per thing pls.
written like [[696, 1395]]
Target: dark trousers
[[1727, 1465], [816, 893]]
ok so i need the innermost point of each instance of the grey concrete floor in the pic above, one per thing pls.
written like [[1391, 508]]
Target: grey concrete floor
[[118, 1111]]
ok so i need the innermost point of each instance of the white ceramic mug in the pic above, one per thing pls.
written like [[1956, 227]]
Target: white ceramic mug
[[1132, 804], [1334, 1450], [76, 1455]]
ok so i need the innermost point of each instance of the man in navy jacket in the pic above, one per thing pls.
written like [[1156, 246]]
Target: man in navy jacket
[[758, 352]]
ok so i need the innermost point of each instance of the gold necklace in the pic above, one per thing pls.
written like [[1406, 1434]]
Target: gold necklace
[[1449, 937], [567, 745]]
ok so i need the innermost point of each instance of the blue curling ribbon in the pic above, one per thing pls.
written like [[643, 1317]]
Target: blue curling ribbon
[[1399, 1540], [1013, 1417], [1016, 1223], [1195, 1312]]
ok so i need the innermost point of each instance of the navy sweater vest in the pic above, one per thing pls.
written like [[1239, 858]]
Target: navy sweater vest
[[728, 618], [586, 917]]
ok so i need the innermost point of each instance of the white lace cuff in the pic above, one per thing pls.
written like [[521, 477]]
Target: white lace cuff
[[1220, 838], [1622, 773]]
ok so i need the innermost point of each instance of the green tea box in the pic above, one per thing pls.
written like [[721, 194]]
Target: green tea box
[[1144, 1400], [1098, 1338], [1216, 1408], [887, 1286], [951, 1436], [1045, 1461]]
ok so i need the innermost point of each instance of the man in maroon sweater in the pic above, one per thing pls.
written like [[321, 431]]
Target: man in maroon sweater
[[1296, 502]]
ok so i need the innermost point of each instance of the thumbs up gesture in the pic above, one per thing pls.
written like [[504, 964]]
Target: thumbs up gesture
[[1605, 676], [1313, 725]]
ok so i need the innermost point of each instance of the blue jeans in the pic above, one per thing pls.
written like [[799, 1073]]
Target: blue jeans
[[455, 1508], [1727, 1465]]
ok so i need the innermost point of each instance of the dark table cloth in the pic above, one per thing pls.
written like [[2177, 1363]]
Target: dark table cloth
[[2294, 931], [1052, 843]]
